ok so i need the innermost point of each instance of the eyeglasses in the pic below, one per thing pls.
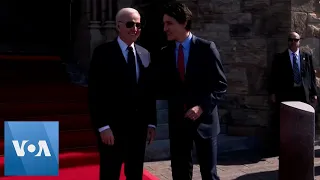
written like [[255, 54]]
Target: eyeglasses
[[131, 24], [292, 39]]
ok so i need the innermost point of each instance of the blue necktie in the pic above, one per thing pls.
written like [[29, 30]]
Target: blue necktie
[[296, 71]]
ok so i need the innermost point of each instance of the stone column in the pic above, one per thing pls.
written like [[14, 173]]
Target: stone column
[[103, 10], [95, 25], [124, 3], [94, 12], [109, 23], [81, 44], [296, 159]]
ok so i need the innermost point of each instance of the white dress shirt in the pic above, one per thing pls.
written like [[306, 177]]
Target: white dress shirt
[[125, 52]]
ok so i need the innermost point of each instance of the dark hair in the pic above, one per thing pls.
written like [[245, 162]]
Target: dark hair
[[180, 12]]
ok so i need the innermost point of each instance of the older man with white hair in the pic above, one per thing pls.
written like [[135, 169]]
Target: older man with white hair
[[121, 104]]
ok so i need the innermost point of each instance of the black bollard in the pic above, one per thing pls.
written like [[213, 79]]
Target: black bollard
[[297, 131]]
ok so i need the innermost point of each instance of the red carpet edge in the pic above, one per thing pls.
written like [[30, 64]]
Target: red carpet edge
[[77, 159]]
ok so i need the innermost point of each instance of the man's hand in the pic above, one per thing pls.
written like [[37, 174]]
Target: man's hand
[[194, 113], [107, 137], [314, 101], [151, 134]]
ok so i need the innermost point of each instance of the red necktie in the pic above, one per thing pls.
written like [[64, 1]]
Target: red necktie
[[181, 66], [181, 62]]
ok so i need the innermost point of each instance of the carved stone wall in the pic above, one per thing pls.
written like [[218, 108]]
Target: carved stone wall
[[306, 15], [248, 34], [96, 25]]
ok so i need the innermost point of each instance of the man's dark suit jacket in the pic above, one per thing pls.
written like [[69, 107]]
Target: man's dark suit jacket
[[112, 98], [204, 84], [281, 80]]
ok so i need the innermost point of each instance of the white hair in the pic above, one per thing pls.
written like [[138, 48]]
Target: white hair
[[125, 11]]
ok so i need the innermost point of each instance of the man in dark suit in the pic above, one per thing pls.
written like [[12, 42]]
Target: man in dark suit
[[121, 104], [292, 79], [190, 75]]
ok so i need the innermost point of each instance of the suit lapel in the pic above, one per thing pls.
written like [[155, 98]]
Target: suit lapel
[[118, 53], [191, 56], [141, 59], [192, 53], [172, 56], [288, 63], [302, 63], [171, 60]]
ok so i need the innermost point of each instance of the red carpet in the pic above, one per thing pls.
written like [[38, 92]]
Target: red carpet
[[89, 172], [50, 96], [76, 165]]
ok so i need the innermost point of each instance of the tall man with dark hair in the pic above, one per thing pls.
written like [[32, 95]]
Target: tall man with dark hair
[[122, 106], [190, 75]]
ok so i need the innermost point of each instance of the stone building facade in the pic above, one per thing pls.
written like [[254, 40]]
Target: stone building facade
[[247, 32]]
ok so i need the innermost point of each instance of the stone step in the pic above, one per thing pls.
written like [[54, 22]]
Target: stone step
[[32, 72], [66, 122], [159, 150], [162, 116], [19, 111], [162, 104], [79, 138], [57, 92], [162, 132], [69, 139]]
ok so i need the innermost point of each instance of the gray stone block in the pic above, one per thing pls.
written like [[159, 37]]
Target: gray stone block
[[232, 143], [159, 150], [162, 104], [162, 116], [162, 132]]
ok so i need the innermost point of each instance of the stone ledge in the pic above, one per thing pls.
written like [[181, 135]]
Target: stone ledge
[[159, 150], [162, 116], [234, 143], [161, 104], [246, 131], [162, 132]]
